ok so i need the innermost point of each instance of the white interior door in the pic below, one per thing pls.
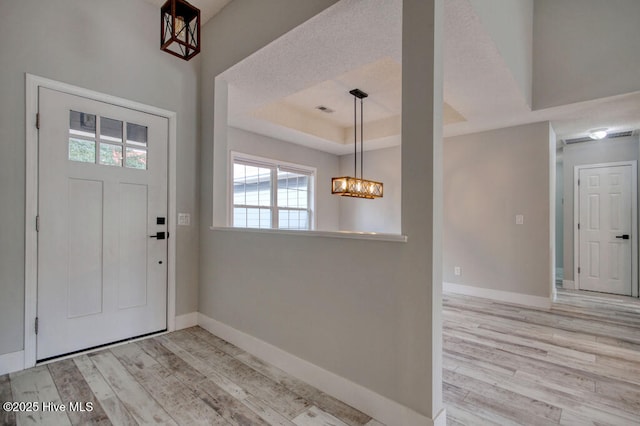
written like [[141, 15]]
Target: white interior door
[[102, 194], [606, 229]]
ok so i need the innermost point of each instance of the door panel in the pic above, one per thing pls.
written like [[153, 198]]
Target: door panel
[[102, 183], [84, 223], [132, 289], [605, 216]]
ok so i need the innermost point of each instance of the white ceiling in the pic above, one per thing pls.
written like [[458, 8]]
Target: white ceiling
[[358, 43]]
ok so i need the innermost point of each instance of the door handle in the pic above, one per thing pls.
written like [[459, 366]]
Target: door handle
[[623, 237], [159, 235]]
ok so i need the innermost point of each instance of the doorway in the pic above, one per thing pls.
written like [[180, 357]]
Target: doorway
[[606, 230], [100, 266], [102, 209]]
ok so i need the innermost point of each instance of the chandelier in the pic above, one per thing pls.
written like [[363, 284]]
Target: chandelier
[[355, 186]]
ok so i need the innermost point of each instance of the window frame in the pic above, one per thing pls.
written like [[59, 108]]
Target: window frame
[[274, 165]]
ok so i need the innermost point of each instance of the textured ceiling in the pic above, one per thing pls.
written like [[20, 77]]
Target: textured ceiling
[[351, 44], [382, 110], [357, 43]]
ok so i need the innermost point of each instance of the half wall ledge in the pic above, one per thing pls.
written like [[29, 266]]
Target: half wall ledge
[[372, 236]]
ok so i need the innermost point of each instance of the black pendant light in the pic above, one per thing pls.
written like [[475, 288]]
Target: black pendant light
[[180, 29]]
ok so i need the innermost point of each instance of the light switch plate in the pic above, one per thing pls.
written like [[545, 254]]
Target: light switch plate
[[519, 219], [184, 219]]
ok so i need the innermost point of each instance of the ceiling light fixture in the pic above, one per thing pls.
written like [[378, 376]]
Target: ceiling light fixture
[[180, 29], [348, 186], [597, 134]]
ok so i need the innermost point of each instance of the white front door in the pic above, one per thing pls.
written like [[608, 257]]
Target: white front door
[[605, 229], [102, 194]]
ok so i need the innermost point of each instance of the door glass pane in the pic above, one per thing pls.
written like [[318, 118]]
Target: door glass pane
[[110, 130], [110, 155], [136, 158], [82, 150], [82, 124], [136, 134]]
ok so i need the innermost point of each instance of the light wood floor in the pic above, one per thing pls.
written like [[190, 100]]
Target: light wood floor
[[187, 377], [577, 364]]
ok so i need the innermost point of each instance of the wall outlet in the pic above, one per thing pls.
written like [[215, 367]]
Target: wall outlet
[[184, 219], [457, 270]]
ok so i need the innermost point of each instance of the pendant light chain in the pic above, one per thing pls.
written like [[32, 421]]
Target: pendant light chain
[[361, 139], [355, 139]]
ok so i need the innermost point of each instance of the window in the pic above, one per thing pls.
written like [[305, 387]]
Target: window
[[111, 148], [271, 194]]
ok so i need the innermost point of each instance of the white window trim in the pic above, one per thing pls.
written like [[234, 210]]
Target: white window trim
[[271, 163]]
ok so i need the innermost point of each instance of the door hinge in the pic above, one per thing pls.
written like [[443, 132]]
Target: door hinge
[[36, 326], [38, 121], [38, 223], [578, 269], [578, 226], [578, 182]]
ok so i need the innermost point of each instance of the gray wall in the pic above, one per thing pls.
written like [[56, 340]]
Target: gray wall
[[327, 165], [381, 214], [377, 324], [584, 49], [490, 177], [603, 151], [106, 46]]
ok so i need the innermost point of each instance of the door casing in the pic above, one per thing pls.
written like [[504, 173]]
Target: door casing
[[634, 220], [31, 205]]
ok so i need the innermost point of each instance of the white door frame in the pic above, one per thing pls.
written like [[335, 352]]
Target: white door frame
[[634, 220], [31, 206]]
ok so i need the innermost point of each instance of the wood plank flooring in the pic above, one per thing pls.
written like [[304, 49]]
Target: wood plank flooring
[[576, 364], [189, 377]]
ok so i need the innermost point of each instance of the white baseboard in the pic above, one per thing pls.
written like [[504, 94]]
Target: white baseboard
[[11, 362], [503, 296], [441, 418], [186, 320], [377, 406], [569, 284]]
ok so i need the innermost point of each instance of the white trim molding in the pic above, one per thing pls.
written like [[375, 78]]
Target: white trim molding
[[375, 405], [32, 84], [11, 362], [186, 320], [502, 296]]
